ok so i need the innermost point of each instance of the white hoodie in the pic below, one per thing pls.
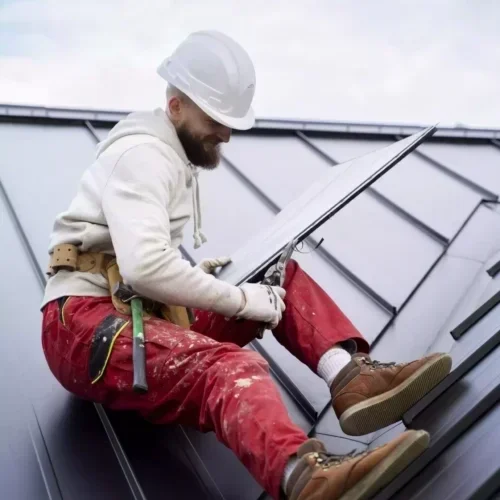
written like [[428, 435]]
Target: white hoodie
[[133, 202]]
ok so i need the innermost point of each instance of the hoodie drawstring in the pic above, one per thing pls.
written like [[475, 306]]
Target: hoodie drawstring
[[199, 237]]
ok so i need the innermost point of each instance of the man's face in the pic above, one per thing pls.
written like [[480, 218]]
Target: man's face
[[200, 136]]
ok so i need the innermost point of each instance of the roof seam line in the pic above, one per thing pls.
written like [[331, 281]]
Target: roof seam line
[[24, 239], [201, 463], [92, 130], [427, 274], [364, 287], [115, 444], [52, 482], [303, 137], [422, 226], [395, 208], [467, 182], [354, 128], [127, 470], [495, 143]]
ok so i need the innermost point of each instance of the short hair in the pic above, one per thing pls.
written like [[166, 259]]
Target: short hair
[[175, 92]]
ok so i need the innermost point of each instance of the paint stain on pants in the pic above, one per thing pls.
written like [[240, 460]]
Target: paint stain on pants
[[202, 377]]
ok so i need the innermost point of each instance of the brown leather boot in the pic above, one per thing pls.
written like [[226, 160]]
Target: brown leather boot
[[368, 395], [323, 476]]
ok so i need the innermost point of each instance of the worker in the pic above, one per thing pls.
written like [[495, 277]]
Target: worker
[[125, 225]]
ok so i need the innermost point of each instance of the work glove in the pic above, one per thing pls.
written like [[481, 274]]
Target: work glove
[[210, 265], [262, 303]]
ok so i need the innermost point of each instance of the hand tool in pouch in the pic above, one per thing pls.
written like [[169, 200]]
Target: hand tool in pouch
[[126, 294]]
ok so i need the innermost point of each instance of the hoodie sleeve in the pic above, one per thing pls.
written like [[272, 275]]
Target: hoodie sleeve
[[134, 203]]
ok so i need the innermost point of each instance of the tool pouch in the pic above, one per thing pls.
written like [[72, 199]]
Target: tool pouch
[[67, 257], [177, 315]]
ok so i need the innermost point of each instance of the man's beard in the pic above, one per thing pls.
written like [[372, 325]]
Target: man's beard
[[205, 154]]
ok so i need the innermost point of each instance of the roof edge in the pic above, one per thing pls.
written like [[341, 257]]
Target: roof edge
[[351, 128]]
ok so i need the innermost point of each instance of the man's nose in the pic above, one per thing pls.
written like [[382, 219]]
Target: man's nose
[[224, 134]]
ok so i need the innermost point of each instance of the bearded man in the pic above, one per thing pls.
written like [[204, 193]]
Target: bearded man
[[124, 227]]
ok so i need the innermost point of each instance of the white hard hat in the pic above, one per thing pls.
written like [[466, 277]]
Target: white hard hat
[[217, 74]]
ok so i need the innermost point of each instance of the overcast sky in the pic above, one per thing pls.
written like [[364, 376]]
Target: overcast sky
[[366, 60]]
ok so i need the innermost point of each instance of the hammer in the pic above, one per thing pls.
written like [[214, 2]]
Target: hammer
[[126, 294]]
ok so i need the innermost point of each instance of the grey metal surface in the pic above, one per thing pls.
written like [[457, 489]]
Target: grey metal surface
[[494, 269], [357, 227], [373, 191], [453, 412], [468, 469], [480, 337], [35, 163], [165, 461], [264, 195], [320, 201], [67, 437], [417, 186], [280, 165], [463, 327], [183, 462], [366, 225], [415, 328], [479, 291], [414, 221], [314, 241], [18, 454], [480, 238], [493, 283], [480, 162]]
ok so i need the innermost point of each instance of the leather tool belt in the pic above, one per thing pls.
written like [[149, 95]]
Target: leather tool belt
[[67, 257]]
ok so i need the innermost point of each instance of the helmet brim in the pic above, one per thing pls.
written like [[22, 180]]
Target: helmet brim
[[244, 123], [239, 123]]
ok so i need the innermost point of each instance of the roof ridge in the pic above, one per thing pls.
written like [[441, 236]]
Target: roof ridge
[[344, 127]]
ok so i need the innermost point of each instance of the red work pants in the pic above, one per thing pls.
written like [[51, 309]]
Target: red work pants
[[202, 377]]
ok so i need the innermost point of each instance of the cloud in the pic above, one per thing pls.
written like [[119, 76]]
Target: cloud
[[331, 60]]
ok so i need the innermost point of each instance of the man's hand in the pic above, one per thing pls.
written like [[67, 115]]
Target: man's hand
[[262, 303], [210, 265]]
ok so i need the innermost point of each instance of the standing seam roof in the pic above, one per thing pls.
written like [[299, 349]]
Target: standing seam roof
[[382, 259]]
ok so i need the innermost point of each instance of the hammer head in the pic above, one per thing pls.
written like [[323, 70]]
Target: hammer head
[[124, 292]]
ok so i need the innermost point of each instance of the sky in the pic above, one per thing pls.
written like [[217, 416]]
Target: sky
[[398, 61]]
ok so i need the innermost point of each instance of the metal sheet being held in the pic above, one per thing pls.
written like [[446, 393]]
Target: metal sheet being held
[[317, 204]]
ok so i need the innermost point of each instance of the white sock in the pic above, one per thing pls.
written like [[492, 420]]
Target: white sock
[[290, 466], [331, 363]]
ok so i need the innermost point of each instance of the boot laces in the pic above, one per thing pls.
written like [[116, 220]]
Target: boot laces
[[377, 364], [326, 460]]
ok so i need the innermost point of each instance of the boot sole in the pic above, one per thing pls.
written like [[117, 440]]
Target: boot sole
[[385, 409], [392, 465]]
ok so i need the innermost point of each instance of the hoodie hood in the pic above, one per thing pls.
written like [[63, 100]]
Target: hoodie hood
[[158, 124]]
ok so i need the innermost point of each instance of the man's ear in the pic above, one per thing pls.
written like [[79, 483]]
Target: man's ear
[[175, 107]]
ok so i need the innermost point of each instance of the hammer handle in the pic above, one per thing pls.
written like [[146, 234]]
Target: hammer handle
[[139, 351]]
